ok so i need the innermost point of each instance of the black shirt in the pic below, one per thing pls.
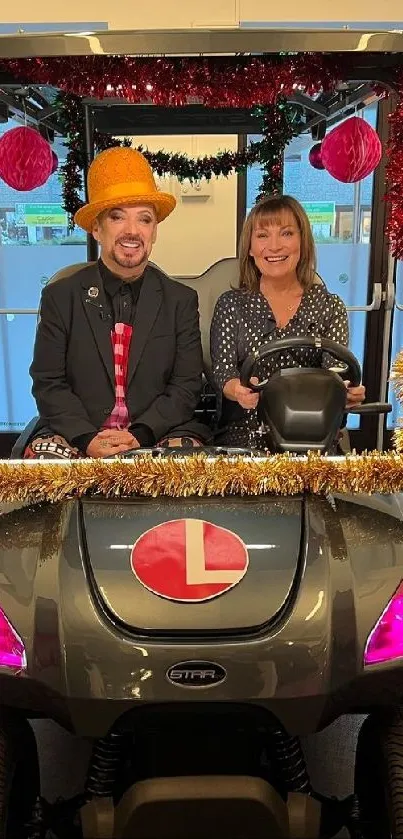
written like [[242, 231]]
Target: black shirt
[[121, 298]]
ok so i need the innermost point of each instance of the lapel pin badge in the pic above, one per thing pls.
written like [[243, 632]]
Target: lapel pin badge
[[93, 291]]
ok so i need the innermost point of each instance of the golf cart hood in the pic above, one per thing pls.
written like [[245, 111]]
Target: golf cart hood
[[136, 553]]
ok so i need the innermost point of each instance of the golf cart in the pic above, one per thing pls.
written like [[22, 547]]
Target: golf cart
[[193, 640]]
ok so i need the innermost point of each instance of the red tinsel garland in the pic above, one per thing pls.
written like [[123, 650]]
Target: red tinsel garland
[[394, 177], [241, 81]]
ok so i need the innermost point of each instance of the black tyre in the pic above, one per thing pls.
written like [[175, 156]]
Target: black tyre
[[19, 775], [379, 776]]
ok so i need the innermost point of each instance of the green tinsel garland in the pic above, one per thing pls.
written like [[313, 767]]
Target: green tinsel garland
[[278, 125]]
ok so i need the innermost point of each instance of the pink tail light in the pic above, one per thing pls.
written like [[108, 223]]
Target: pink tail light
[[12, 650], [385, 642]]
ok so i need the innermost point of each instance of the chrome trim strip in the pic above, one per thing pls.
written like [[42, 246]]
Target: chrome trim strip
[[226, 41]]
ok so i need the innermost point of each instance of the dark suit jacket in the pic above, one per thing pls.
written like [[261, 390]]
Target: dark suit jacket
[[73, 367]]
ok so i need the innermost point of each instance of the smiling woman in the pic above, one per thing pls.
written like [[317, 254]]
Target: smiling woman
[[277, 230], [279, 295]]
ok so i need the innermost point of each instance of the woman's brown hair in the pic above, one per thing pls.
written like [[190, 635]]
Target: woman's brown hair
[[269, 210]]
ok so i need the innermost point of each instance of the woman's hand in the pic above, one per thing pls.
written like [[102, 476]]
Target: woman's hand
[[245, 396], [355, 395]]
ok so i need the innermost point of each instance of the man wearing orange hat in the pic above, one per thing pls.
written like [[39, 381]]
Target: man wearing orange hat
[[118, 360]]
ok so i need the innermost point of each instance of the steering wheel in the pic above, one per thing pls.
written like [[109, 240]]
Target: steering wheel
[[324, 345]]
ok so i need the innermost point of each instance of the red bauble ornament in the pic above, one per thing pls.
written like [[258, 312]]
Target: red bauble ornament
[[25, 159], [55, 162], [351, 151], [315, 156]]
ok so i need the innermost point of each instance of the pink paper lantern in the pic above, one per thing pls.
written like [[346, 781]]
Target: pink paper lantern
[[351, 151], [25, 159], [315, 156]]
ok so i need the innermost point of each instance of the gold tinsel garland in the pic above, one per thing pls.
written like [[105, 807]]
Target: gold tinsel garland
[[396, 376], [199, 475], [33, 482]]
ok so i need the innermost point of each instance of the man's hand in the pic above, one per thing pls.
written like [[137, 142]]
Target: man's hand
[[110, 442], [355, 395]]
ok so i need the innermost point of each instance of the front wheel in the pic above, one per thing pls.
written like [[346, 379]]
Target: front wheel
[[19, 775], [379, 776]]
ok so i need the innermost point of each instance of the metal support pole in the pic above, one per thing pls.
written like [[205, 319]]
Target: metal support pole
[[92, 247], [357, 213]]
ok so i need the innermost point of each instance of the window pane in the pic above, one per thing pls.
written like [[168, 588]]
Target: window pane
[[36, 217], [17, 406], [34, 243]]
